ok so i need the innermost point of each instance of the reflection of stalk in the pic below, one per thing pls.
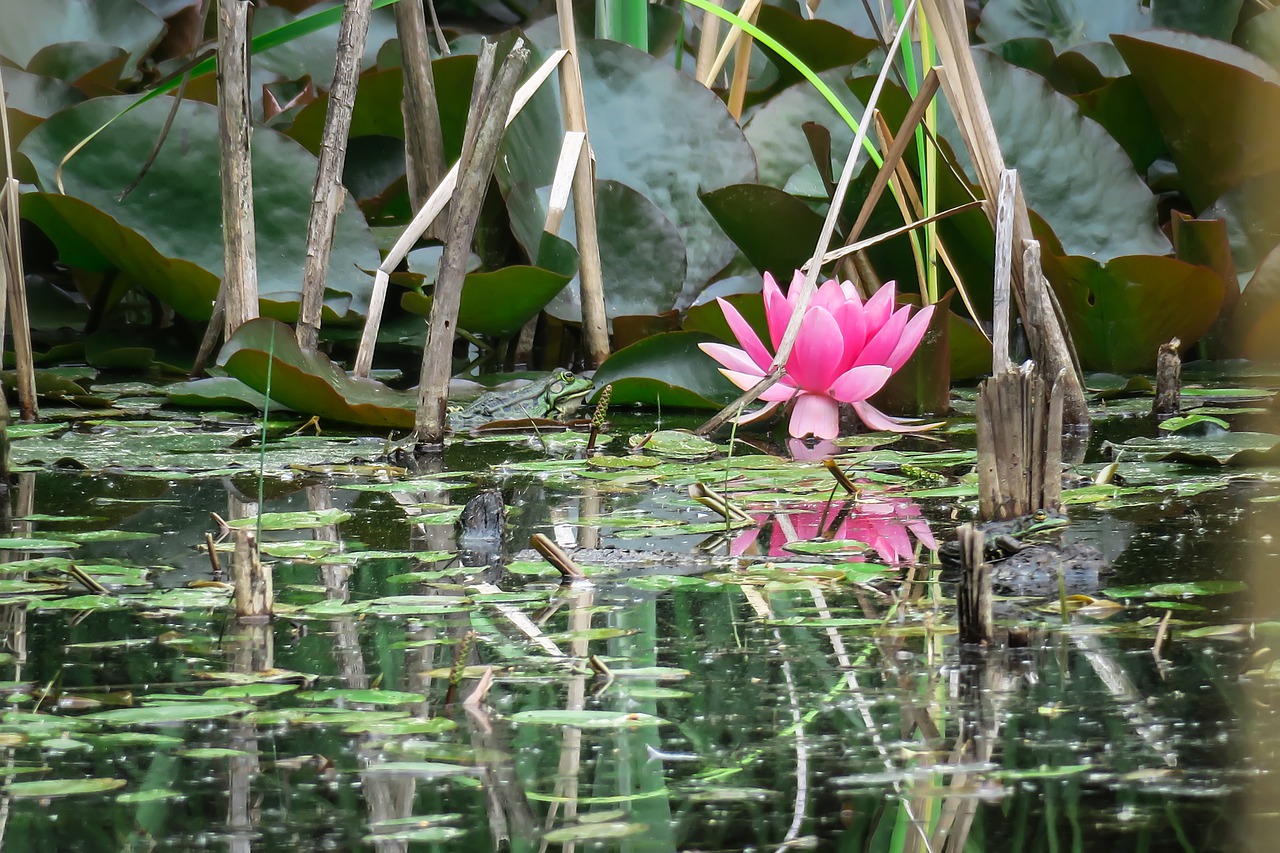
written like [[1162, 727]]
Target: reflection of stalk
[[459, 668]]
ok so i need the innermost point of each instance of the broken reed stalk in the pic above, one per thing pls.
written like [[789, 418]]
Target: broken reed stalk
[[595, 325], [422, 220], [1047, 335], [328, 193], [741, 65], [805, 296], [13, 284], [719, 504], [1168, 401], [973, 593], [556, 556], [423, 138], [239, 251], [491, 102], [747, 12], [254, 593]]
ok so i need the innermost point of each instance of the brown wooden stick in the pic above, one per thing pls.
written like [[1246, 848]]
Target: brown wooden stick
[[556, 556], [1168, 401], [328, 193], [254, 593], [239, 250], [490, 106], [423, 137], [973, 593]]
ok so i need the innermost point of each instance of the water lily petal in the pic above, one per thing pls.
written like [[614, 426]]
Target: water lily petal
[[828, 295], [881, 345], [779, 392], [777, 310], [733, 358], [910, 338], [746, 335], [879, 307], [853, 330], [878, 420], [817, 414], [815, 359], [859, 383], [850, 291]]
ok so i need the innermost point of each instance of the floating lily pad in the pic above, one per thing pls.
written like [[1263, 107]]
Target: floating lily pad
[[50, 788], [178, 712], [301, 520], [364, 697], [586, 719]]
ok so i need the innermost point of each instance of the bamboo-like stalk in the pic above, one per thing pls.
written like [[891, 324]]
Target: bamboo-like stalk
[[805, 296], [328, 193], [440, 197], [491, 103], [239, 250], [707, 44], [741, 73], [595, 324], [960, 81], [423, 138], [746, 12]]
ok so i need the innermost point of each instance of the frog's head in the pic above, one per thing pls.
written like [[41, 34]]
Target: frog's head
[[1041, 522], [564, 393]]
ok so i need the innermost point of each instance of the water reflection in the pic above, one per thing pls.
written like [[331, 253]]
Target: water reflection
[[889, 526]]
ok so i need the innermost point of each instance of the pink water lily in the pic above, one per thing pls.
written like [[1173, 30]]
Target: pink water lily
[[845, 352]]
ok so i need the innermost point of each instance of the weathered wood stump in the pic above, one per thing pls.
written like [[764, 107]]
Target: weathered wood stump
[[973, 593], [1019, 444], [1168, 401]]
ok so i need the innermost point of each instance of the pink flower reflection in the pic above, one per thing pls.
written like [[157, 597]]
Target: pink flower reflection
[[887, 525]]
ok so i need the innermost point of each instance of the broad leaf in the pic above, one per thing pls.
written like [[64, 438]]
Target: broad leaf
[[655, 130], [308, 381], [167, 234], [1072, 172], [775, 230], [497, 303], [121, 23], [1196, 87], [1120, 312], [667, 370]]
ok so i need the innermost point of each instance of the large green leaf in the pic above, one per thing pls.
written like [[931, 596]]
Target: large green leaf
[[497, 303], [309, 382], [167, 234], [819, 44], [775, 130], [653, 129], [642, 254], [1256, 324], [1072, 172], [667, 370], [32, 99], [1067, 23], [775, 230], [121, 23], [1218, 107], [1120, 312]]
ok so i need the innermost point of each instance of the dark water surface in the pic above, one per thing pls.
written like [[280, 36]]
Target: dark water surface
[[816, 706]]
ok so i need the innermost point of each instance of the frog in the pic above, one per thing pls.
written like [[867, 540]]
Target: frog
[[1002, 539], [553, 398]]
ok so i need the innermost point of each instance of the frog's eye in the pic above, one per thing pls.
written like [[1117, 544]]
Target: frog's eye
[[1041, 515]]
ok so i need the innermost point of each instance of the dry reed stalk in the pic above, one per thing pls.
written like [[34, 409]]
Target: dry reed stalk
[[13, 284], [707, 39], [490, 105], [422, 220], [423, 138], [595, 324], [328, 194], [747, 13], [741, 71], [239, 250]]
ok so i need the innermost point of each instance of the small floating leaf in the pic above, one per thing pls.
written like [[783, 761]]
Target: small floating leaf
[[593, 831], [178, 712], [292, 520], [364, 697], [586, 719], [61, 787]]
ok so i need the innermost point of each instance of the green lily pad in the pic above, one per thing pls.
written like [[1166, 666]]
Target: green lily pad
[[586, 719], [594, 831], [167, 234], [301, 520], [666, 370], [177, 712], [1216, 145], [308, 381], [216, 392], [1120, 312], [640, 105], [119, 23], [1183, 421], [249, 691], [1067, 23], [1092, 197], [364, 697], [642, 255], [774, 229], [50, 788], [497, 303]]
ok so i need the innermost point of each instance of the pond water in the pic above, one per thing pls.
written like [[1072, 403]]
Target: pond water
[[757, 688]]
